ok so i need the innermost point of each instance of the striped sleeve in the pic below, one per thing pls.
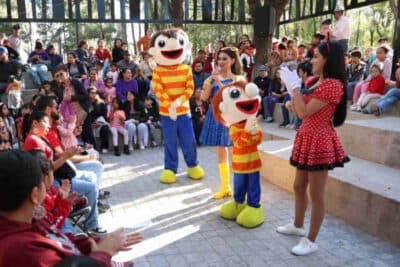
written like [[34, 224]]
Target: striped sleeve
[[159, 90], [242, 138]]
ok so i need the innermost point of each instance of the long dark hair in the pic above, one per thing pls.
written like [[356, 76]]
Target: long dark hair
[[29, 119], [335, 69]]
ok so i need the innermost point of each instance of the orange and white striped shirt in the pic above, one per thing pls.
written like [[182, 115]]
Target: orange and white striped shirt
[[170, 83], [245, 156]]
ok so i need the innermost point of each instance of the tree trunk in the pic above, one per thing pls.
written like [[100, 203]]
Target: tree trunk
[[358, 27], [371, 38], [176, 13], [264, 45]]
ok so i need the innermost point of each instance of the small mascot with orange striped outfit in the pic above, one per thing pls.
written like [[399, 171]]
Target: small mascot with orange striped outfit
[[236, 106], [173, 86]]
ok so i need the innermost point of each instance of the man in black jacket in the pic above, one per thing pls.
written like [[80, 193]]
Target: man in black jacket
[[7, 68]]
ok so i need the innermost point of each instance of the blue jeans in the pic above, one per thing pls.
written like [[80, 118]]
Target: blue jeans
[[39, 73], [269, 105], [350, 89], [344, 43], [92, 166], [182, 130], [83, 185], [247, 183], [390, 98], [68, 228]]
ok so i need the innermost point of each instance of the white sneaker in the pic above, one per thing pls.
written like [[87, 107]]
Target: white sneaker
[[353, 107], [358, 108], [130, 148], [142, 147], [290, 229], [104, 151], [304, 247]]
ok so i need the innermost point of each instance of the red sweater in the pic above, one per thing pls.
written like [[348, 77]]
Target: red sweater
[[57, 209], [40, 245], [377, 85], [103, 55]]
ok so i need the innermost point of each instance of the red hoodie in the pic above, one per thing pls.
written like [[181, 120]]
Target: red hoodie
[[377, 85], [57, 208], [40, 245]]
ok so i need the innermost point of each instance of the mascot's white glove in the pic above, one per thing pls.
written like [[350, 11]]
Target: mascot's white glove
[[251, 125], [290, 79], [173, 107]]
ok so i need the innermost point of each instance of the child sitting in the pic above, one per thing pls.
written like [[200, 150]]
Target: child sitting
[[116, 117], [153, 118], [45, 88], [376, 87], [113, 73], [57, 203], [99, 69], [66, 131], [109, 92]]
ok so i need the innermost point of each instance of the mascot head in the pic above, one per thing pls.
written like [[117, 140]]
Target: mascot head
[[236, 102], [170, 47]]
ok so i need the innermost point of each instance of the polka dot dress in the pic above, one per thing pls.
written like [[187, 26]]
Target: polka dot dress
[[317, 146]]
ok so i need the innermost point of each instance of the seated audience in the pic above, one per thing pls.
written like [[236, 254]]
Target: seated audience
[[39, 60], [135, 121], [34, 242]]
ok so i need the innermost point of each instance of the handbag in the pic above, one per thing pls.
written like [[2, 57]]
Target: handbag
[[65, 171]]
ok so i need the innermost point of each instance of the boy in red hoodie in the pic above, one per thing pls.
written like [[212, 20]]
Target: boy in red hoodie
[[376, 87], [30, 243]]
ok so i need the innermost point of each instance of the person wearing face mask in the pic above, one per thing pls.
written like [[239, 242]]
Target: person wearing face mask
[[199, 75]]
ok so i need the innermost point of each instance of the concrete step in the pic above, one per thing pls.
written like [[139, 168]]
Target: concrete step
[[371, 138], [363, 193], [27, 94], [28, 80]]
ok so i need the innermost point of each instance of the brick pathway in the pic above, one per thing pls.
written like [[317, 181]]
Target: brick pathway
[[185, 228]]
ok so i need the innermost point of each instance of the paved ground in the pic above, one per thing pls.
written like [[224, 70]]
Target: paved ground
[[185, 228]]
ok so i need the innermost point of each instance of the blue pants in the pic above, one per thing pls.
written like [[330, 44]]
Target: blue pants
[[39, 73], [390, 98], [247, 183], [181, 130]]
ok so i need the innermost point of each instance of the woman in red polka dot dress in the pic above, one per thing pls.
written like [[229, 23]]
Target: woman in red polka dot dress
[[317, 147]]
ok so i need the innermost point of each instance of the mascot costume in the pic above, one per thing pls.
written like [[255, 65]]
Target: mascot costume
[[236, 106], [173, 85]]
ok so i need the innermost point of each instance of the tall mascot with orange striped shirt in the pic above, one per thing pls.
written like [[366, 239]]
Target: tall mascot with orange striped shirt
[[173, 85], [236, 106]]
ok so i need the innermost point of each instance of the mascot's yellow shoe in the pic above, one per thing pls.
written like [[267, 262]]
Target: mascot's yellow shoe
[[251, 217], [167, 177], [230, 210], [196, 172]]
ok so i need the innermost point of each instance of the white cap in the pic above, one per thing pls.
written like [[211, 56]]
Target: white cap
[[338, 8]]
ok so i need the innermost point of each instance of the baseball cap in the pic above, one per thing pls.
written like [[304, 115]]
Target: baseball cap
[[262, 68], [3, 50], [339, 8]]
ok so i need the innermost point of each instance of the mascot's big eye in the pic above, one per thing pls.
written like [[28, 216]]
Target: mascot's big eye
[[234, 93], [161, 43], [181, 41]]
